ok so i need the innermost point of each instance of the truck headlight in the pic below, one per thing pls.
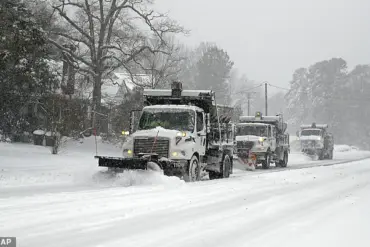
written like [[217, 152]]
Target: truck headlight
[[261, 140], [178, 153], [127, 152], [181, 134]]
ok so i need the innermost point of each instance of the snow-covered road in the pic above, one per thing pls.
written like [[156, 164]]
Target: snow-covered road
[[320, 205]]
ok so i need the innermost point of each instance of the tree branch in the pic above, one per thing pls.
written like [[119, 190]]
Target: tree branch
[[71, 54], [92, 31], [65, 35], [61, 13]]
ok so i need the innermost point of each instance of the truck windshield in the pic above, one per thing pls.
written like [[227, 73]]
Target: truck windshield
[[311, 132], [254, 130], [174, 119]]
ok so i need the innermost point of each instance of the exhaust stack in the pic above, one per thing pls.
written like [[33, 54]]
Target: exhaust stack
[[176, 88]]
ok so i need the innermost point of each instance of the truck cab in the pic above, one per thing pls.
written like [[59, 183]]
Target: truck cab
[[179, 131], [261, 140], [316, 140], [258, 136]]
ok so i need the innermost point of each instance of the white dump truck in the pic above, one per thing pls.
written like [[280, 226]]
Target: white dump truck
[[262, 140], [180, 132], [316, 140]]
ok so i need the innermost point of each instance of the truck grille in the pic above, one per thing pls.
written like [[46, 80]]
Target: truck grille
[[144, 145], [308, 143], [244, 144]]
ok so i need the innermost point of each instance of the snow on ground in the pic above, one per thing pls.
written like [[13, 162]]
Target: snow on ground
[[59, 200], [29, 167], [320, 206], [25, 164], [342, 153]]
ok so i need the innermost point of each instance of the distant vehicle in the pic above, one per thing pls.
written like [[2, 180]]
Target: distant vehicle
[[262, 140], [315, 139], [183, 133]]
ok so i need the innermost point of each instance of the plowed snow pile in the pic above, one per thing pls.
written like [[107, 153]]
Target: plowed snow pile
[[25, 165]]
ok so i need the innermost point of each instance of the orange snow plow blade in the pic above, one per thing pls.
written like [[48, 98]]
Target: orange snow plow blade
[[249, 162]]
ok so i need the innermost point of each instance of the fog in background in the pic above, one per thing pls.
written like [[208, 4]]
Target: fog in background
[[269, 39]]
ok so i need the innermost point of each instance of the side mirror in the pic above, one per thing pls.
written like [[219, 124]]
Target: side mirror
[[133, 116], [208, 124]]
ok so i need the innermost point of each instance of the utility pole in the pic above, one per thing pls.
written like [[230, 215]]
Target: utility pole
[[266, 98], [249, 103]]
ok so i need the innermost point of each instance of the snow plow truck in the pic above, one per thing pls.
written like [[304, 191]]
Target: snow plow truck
[[262, 140], [316, 140], [181, 133]]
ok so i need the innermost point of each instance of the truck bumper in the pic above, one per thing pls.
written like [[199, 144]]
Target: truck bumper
[[124, 163], [311, 151]]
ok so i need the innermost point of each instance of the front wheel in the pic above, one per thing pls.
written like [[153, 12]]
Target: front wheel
[[331, 154], [266, 163], [193, 170], [284, 162], [226, 167]]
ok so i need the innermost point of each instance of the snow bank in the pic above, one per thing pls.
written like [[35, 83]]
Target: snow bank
[[24, 165], [345, 148]]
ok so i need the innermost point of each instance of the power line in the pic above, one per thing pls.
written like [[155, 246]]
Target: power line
[[278, 87]]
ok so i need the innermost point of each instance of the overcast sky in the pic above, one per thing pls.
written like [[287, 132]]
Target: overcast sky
[[269, 39]]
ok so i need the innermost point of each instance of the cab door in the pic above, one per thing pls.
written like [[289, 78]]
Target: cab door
[[200, 133], [273, 138]]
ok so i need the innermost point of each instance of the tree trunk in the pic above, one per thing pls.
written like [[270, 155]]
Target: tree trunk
[[96, 103]]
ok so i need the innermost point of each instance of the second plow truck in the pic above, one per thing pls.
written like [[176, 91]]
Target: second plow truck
[[316, 140], [262, 140], [181, 133]]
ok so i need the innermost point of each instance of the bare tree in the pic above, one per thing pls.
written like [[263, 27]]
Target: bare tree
[[162, 67], [106, 35]]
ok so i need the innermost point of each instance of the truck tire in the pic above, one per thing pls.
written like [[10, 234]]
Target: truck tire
[[192, 173], [225, 167], [331, 154], [266, 163], [213, 175], [321, 155], [284, 162]]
